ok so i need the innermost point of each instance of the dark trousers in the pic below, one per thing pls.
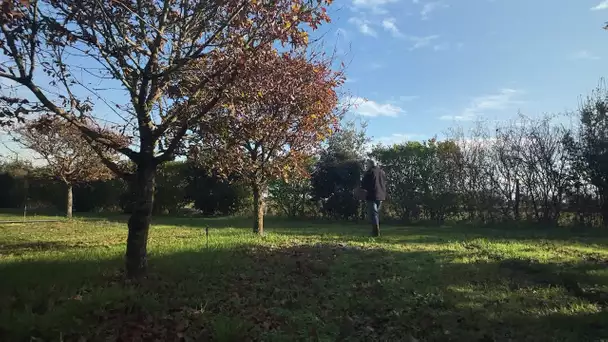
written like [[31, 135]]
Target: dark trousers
[[373, 209]]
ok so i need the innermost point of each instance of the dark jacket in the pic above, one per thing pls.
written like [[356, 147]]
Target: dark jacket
[[374, 181]]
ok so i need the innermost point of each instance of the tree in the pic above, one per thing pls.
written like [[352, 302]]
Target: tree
[[143, 48], [588, 148], [292, 197], [541, 163], [14, 181], [350, 141], [404, 167], [216, 195], [69, 157], [171, 193], [338, 171], [277, 117], [423, 177]]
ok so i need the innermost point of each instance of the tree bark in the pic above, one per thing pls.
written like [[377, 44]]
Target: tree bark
[[142, 185], [604, 211], [258, 210], [517, 201], [70, 202]]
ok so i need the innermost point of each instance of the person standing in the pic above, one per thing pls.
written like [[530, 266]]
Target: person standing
[[374, 183]]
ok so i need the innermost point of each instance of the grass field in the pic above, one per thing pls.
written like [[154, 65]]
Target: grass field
[[302, 282]]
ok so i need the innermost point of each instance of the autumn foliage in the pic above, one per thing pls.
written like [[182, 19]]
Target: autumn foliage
[[275, 118], [143, 49], [69, 156]]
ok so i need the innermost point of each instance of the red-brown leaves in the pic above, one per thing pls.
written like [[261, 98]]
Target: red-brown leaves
[[150, 48], [278, 112], [10, 9], [62, 146]]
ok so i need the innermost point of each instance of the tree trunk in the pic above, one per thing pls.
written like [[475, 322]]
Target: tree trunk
[[517, 201], [258, 210], [139, 222], [604, 209], [70, 202]]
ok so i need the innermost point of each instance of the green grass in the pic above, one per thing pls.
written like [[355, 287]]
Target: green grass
[[302, 282]]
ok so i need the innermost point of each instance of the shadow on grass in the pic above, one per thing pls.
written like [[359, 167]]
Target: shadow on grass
[[192, 222], [327, 229], [302, 293], [271, 224], [36, 246]]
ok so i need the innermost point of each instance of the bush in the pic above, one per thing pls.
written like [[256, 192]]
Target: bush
[[215, 196]]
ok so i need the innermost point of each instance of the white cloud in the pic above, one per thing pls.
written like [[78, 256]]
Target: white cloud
[[456, 118], [441, 47], [371, 108], [342, 33], [502, 100], [390, 25], [475, 143], [363, 25], [420, 42], [398, 138], [601, 6], [584, 54], [431, 7]]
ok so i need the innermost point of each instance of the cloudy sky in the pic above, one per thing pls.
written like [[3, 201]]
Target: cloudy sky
[[426, 65]]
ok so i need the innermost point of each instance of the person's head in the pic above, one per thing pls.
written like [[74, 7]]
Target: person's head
[[370, 163]]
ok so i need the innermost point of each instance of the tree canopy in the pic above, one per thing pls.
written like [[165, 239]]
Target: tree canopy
[[275, 119], [141, 52]]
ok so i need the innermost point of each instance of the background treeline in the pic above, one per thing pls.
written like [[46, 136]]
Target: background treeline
[[180, 188], [550, 170]]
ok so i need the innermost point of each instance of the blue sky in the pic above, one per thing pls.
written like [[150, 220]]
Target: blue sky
[[427, 65]]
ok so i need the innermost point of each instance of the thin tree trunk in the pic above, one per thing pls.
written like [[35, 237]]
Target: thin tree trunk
[[139, 222], [258, 210], [604, 210], [70, 202], [517, 201]]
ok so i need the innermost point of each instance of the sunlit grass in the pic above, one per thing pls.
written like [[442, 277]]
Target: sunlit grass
[[302, 281]]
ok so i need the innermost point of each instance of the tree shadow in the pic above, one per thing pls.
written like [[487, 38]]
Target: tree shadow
[[302, 293], [19, 248], [271, 223], [177, 221], [391, 233]]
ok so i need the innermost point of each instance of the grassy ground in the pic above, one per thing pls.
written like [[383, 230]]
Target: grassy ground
[[302, 282]]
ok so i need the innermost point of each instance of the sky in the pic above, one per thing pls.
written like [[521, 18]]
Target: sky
[[427, 65], [418, 67]]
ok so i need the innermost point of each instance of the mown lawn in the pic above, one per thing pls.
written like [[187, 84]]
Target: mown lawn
[[302, 282]]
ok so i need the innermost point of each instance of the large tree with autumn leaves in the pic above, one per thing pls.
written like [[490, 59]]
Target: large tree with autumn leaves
[[277, 115], [128, 57]]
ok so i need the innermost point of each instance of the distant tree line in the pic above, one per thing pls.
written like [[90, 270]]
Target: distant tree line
[[550, 170], [181, 187]]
